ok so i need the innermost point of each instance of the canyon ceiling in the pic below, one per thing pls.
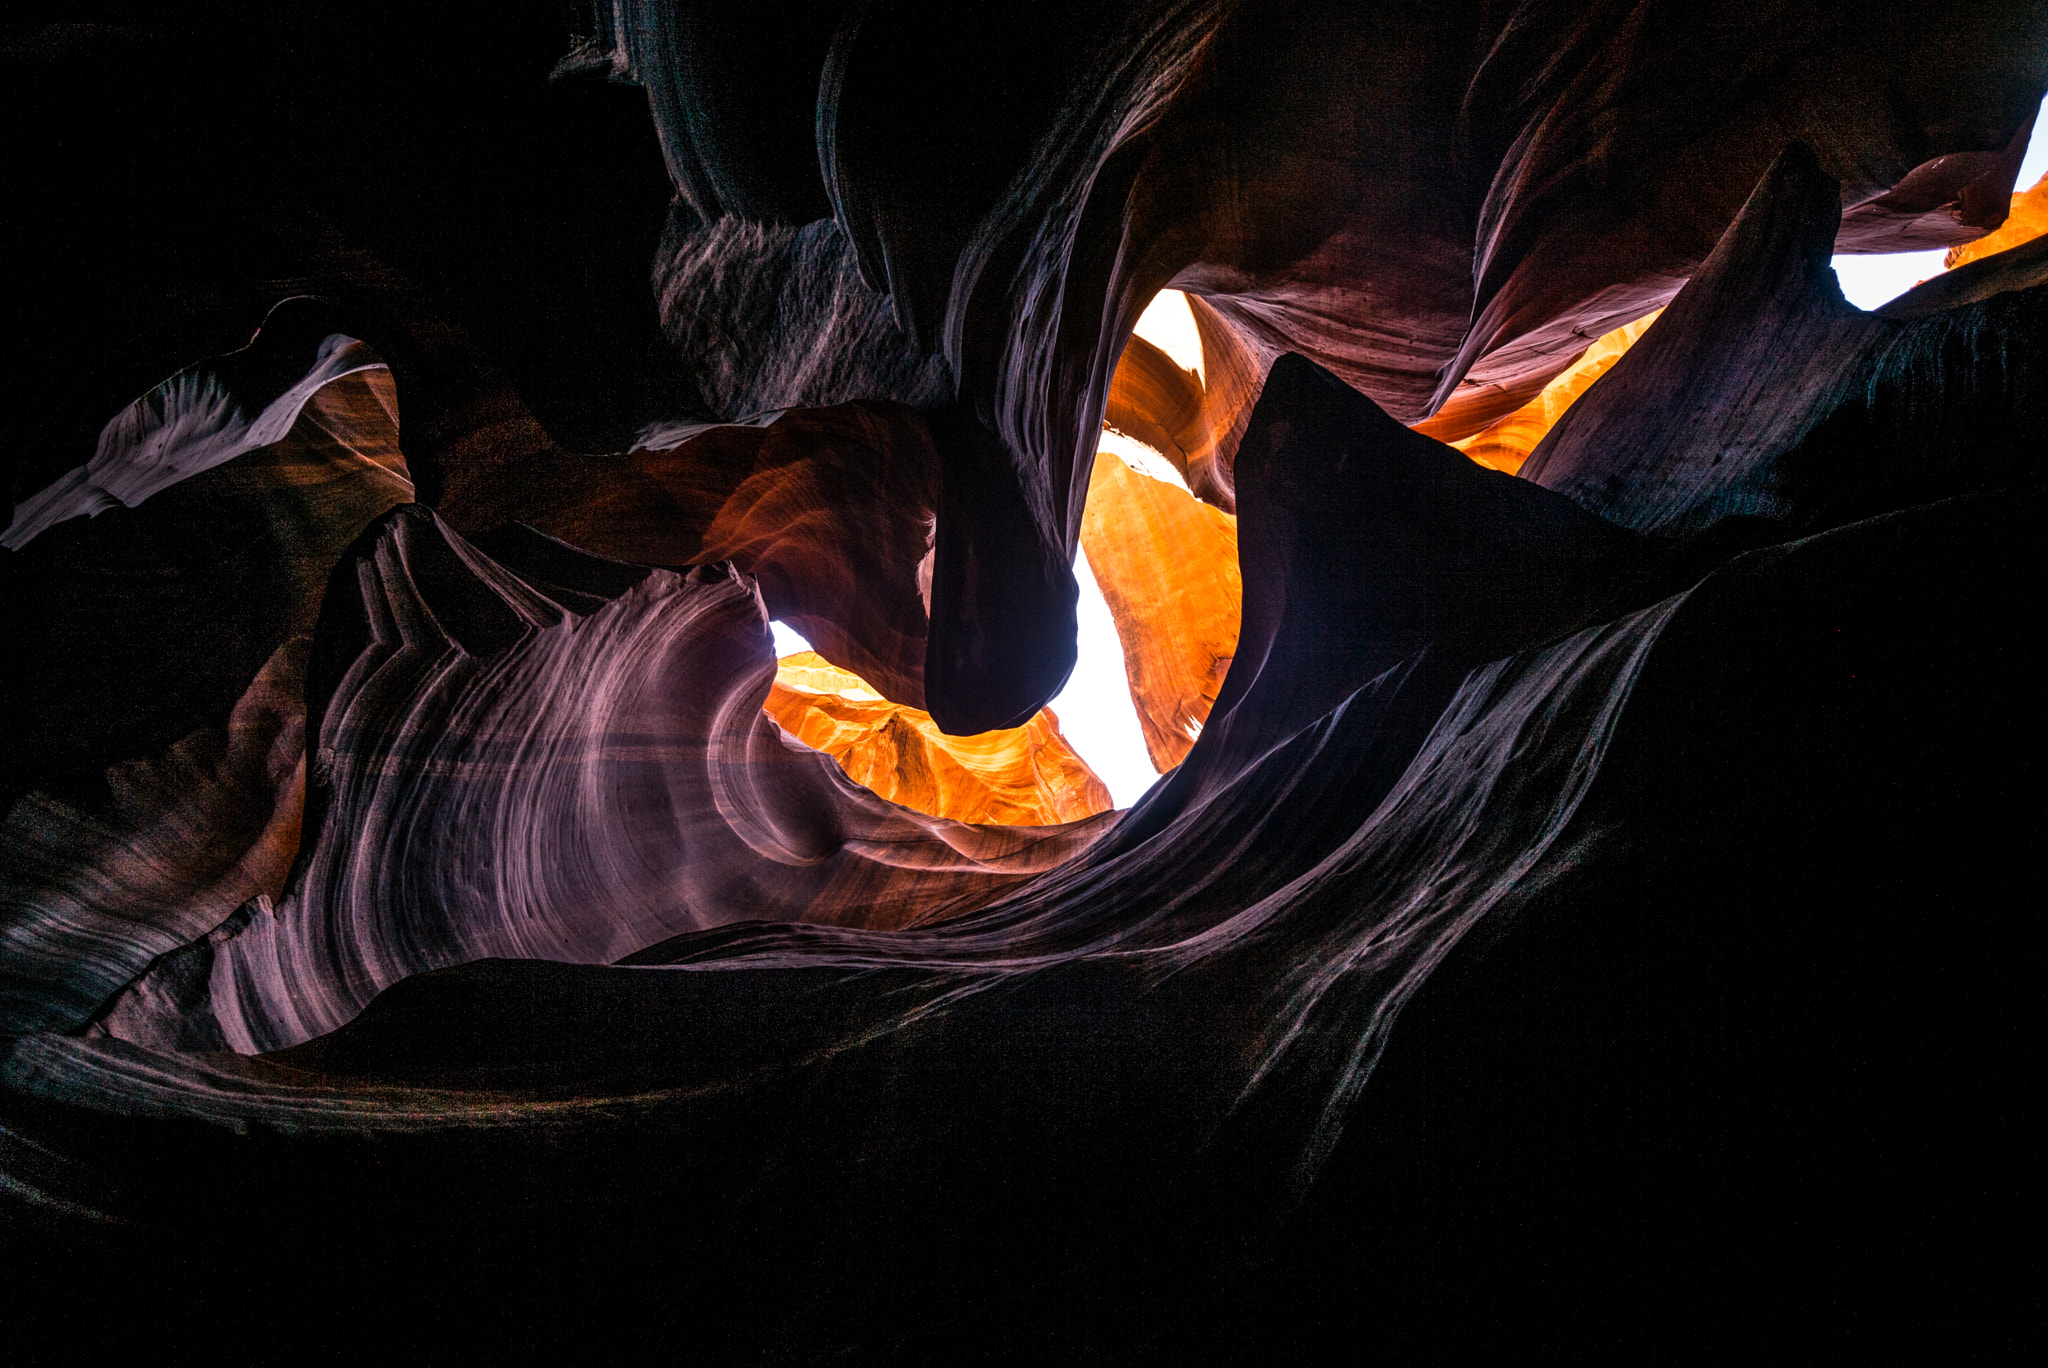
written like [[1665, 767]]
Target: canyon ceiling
[[1583, 910]]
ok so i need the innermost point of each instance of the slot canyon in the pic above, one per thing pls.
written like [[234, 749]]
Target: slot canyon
[[551, 811]]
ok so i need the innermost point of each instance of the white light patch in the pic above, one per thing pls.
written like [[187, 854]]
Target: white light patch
[[2035, 165], [787, 642], [1169, 324], [1139, 457], [1095, 710], [1869, 281]]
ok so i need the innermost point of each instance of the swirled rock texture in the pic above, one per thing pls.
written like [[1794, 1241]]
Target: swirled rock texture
[[1590, 923], [1028, 776], [98, 887], [159, 656], [457, 813], [1151, 1046]]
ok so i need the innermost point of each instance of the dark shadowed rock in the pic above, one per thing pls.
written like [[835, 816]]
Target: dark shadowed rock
[[1760, 391]]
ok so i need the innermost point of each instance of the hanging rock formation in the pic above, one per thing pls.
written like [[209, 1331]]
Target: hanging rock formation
[[1119, 149], [831, 510], [2027, 220], [1762, 392]]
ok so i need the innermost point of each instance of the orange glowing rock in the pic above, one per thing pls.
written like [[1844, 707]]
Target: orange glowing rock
[[830, 509], [1025, 776], [1184, 386], [2027, 220], [1167, 566], [1505, 444]]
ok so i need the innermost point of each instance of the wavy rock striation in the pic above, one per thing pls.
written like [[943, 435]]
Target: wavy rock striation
[[1242, 960], [1586, 919], [159, 655], [456, 813]]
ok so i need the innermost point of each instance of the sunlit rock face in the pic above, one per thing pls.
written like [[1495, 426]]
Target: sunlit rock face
[[1159, 528], [1167, 565], [831, 510], [1184, 387], [2027, 220], [1585, 908], [1506, 444], [1027, 776]]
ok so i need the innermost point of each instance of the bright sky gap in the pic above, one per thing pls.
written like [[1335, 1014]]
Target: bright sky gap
[[1869, 281], [1095, 709]]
